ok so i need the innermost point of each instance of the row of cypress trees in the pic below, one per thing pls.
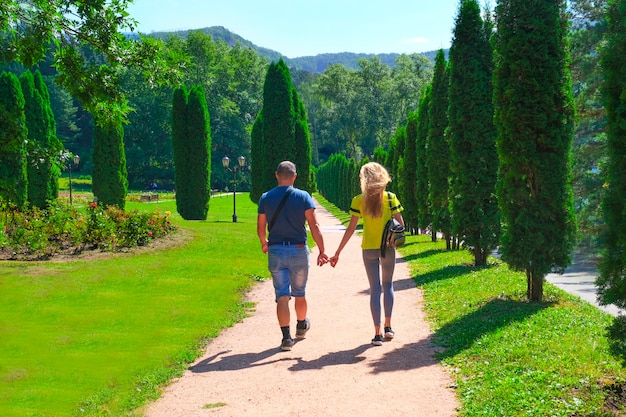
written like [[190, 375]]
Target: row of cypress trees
[[490, 144], [29, 148]]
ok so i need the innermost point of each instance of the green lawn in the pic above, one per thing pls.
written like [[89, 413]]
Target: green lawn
[[97, 337]]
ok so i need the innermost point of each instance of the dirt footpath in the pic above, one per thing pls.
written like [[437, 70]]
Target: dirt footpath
[[334, 371]]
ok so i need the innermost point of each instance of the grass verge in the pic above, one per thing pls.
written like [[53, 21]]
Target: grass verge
[[510, 357], [99, 337]]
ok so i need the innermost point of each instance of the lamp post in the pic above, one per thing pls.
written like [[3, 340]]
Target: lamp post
[[75, 161], [242, 162]]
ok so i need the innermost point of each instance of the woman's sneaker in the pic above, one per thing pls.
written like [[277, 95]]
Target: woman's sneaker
[[377, 340], [389, 334]]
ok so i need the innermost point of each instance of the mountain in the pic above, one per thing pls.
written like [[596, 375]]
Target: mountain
[[314, 64]]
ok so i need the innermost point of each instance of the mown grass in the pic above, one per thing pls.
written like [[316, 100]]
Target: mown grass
[[99, 337], [510, 357]]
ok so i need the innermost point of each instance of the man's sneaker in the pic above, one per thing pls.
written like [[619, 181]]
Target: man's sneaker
[[377, 340], [301, 331], [286, 344], [389, 334]]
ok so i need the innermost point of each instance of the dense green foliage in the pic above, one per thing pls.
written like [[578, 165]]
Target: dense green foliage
[[110, 183], [338, 180], [192, 152], [358, 110], [438, 155], [473, 156], [13, 138], [43, 146], [534, 118], [29, 28], [421, 169], [612, 279], [280, 133], [408, 191]]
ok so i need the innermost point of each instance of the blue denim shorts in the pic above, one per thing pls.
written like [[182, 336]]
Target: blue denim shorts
[[289, 266]]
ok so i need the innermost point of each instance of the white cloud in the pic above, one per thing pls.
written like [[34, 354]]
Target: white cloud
[[418, 39]]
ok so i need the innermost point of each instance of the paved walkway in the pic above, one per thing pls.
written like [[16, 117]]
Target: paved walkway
[[579, 279], [334, 371]]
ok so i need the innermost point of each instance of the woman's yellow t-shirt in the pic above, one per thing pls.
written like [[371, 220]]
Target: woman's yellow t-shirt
[[373, 227]]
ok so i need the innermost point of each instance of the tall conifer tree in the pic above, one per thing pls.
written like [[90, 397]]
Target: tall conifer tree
[[438, 155], [612, 278], [43, 147], [53, 144], [110, 183], [13, 137], [409, 192], [421, 170], [257, 163], [535, 119], [280, 133], [191, 135], [474, 159]]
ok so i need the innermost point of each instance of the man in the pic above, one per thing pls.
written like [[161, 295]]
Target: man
[[283, 212]]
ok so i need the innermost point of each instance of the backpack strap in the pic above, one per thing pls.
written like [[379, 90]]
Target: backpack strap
[[280, 207]]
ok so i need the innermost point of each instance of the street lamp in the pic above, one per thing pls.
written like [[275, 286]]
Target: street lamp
[[242, 162], [76, 161]]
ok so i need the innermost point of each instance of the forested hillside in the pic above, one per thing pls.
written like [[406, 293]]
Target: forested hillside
[[313, 64]]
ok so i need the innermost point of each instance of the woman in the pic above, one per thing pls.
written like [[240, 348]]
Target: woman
[[375, 206]]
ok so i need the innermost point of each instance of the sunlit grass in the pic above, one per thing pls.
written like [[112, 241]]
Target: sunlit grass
[[99, 337], [511, 357]]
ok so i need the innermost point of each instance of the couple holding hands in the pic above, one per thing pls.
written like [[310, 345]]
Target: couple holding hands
[[283, 213]]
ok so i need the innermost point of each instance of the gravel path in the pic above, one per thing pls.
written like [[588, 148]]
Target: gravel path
[[334, 371]]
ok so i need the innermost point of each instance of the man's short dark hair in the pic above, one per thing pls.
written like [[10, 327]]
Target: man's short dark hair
[[286, 169]]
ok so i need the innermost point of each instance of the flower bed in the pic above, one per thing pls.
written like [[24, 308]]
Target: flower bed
[[38, 234]]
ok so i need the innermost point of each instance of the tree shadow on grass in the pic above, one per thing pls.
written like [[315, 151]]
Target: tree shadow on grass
[[450, 271], [460, 334], [422, 255]]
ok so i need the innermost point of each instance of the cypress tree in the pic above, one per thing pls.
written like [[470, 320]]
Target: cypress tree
[[409, 190], [13, 137], [37, 168], [611, 281], [257, 163], [179, 141], [280, 133], [302, 147], [438, 155], [41, 163], [53, 143], [278, 122], [192, 152], [474, 159], [200, 154], [534, 118], [110, 178], [421, 169]]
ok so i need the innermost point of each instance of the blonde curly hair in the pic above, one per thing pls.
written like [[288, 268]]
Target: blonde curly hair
[[374, 179]]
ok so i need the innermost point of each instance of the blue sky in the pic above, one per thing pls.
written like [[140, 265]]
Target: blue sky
[[300, 28]]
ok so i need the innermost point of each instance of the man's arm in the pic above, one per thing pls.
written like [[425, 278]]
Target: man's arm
[[261, 230], [317, 235]]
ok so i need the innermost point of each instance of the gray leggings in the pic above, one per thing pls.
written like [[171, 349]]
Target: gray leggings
[[373, 264]]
